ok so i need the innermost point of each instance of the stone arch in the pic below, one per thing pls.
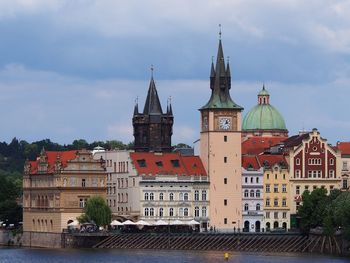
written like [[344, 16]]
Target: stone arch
[[246, 226], [275, 224], [257, 226]]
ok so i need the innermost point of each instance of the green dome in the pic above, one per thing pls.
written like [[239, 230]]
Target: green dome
[[263, 117]]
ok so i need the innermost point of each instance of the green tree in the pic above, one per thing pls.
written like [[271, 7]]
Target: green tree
[[342, 213], [97, 210]]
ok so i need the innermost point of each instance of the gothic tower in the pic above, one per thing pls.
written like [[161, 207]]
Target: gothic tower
[[220, 148], [153, 128]]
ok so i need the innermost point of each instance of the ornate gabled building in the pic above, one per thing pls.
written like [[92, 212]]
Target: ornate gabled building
[[264, 120], [56, 187], [220, 148], [153, 128]]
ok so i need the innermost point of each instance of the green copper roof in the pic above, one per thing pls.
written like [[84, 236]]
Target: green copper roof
[[263, 92], [263, 117]]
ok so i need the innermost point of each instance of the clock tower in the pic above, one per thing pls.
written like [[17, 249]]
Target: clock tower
[[220, 148]]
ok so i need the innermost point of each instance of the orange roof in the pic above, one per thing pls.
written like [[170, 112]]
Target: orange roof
[[344, 148], [272, 159], [250, 162], [167, 163], [258, 144], [52, 156]]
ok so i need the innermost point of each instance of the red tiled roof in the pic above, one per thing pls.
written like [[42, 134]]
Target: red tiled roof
[[256, 145], [272, 159], [344, 148], [295, 140], [250, 162], [167, 163], [64, 157]]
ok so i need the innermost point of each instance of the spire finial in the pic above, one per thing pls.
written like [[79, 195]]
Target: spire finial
[[220, 33], [137, 100], [152, 69], [228, 59], [212, 59]]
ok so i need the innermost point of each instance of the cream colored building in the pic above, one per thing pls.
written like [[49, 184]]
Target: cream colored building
[[220, 148], [56, 187], [344, 149]]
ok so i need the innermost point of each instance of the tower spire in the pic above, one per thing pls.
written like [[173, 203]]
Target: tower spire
[[136, 108], [152, 105]]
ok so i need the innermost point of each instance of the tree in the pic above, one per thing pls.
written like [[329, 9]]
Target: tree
[[342, 213], [96, 210]]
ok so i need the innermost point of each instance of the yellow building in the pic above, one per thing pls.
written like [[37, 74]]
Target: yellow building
[[56, 187], [276, 191]]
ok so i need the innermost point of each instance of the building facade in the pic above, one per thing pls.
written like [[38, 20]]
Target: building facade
[[220, 148], [56, 187], [344, 149]]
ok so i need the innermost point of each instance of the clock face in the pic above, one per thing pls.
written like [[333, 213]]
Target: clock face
[[224, 123]]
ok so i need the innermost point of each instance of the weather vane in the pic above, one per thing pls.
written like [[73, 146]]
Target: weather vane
[[220, 31], [152, 68]]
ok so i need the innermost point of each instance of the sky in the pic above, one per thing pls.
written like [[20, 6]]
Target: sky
[[73, 69]]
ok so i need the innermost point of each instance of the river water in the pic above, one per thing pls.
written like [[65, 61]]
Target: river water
[[152, 256]]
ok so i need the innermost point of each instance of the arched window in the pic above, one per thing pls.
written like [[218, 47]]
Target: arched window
[[181, 211], [151, 196], [251, 193], [171, 196], [196, 195], [181, 196], [246, 193], [146, 212], [161, 196], [204, 211], [267, 202], [186, 212], [185, 196], [161, 212], [204, 195], [151, 211], [146, 196], [171, 211], [246, 207], [126, 197], [196, 211], [257, 207], [257, 193]]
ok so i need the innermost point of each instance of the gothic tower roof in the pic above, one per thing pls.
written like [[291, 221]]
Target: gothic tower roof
[[152, 105]]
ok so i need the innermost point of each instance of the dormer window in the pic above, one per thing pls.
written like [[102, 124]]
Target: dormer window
[[159, 163], [175, 163], [141, 162]]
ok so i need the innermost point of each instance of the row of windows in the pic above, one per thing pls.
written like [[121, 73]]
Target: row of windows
[[275, 215], [276, 202], [315, 174], [257, 207], [252, 180], [123, 167], [298, 188], [252, 193], [181, 212], [276, 176], [42, 225], [182, 196], [314, 161], [275, 188]]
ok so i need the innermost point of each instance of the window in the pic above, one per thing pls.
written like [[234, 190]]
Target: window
[[314, 187], [284, 215], [151, 196], [225, 180], [297, 190], [275, 176], [257, 180], [257, 193], [146, 212], [171, 196], [204, 195], [331, 161], [204, 211], [186, 212], [225, 138], [275, 188], [267, 215], [284, 202], [175, 163], [267, 189], [331, 173], [284, 188], [161, 212], [196, 195], [267, 201], [225, 201], [267, 176], [345, 165], [297, 161], [146, 196], [141, 163], [275, 202], [246, 193], [161, 196], [284, 177], [151, 211], [345, 183], [275, 215], [225, 159], [306, 188], [185, 196], [251, 180], [82, 202], [251, 193], [181, 211], [159, 163], [246, 207], [196, 211], [225, 221], [83, 182], [297, 173], [246, 179], [181, 196], [171, 211], [257, 207]]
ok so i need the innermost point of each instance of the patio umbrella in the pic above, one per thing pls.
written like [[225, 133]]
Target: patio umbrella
[[160, 223], [193, 222], [116, 223], [177, 222], [128, 223], [74, 223], [142, 223]]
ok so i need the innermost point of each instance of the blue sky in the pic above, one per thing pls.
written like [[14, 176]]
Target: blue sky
[[72, 69]]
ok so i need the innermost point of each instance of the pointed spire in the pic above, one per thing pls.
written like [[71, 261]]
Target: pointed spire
[[152, 105], [228, 71], [212, 70], [136, 108], [169, 107]]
